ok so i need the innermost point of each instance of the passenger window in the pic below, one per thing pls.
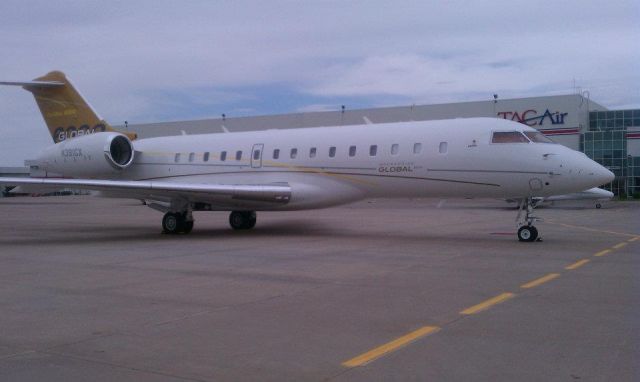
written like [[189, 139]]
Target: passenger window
[[417, 148], [276, 153], [373, 150], [294, 153], [192, 156], [352, 151], [238, 154], [332, 151], [223, 156], [206, 157], [509, 137], [312, 152], [395, 148], [443, 148], [177, 158]]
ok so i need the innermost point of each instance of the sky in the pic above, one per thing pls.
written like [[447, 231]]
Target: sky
[[153, 61]]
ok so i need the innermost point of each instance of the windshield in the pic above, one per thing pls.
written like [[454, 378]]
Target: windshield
[[508, 137], [537, 137]]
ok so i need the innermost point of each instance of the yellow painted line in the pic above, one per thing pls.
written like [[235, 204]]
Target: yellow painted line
[[602, 253], [488, 303], [378, 352], [619, 245], [541, 280], [577, 264], [634, 239]]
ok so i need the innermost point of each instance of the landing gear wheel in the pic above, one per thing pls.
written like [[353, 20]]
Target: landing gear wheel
[[174, 223], [187, 226], [252, 220], [171, 223], [242, 219], [527, 233], [598, 205]]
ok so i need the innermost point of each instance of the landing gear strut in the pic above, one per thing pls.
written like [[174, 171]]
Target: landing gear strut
[[526, 230], [242, 219], [177, 222]]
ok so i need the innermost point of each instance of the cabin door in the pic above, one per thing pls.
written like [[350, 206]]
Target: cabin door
[[256, 155]]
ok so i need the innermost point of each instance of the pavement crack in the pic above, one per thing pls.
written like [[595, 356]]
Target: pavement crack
[[126, 367]]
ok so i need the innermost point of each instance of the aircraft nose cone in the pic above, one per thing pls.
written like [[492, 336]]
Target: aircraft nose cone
[[602, 175], [605, 176]]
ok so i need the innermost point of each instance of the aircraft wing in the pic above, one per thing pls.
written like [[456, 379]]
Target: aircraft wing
[[219, 195]]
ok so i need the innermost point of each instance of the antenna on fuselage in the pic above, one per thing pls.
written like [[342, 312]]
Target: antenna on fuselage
[[222, 126]]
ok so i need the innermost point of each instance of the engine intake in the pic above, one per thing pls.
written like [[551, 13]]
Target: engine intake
[[121, 151], [94, 155]]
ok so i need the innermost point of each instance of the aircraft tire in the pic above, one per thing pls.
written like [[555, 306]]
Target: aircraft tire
[[237, 220], [251, 220], [187, 226], [527, 233], [240, 220], [598, 205], [171, 223]]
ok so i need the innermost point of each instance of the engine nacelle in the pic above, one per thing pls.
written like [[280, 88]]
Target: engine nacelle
[[91, 155]]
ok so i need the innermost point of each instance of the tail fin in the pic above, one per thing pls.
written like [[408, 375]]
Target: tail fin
[[65, 112]]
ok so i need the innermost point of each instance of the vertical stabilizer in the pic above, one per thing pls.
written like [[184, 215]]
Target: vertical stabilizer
[[65, 112]]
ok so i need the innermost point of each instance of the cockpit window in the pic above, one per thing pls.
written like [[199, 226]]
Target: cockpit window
[[537, 137], [509, 137]]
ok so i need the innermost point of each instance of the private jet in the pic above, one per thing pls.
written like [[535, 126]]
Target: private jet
[[298, 169]]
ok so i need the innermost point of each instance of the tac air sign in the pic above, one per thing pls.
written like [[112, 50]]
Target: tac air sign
[[535, 117]]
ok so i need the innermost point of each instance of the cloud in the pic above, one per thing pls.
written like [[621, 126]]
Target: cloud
[[148, 61]]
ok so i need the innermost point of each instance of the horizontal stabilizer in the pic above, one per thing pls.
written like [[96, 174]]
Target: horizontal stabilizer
[[34, 84]]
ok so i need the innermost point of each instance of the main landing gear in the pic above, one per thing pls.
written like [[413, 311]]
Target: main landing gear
[[526, 230], [182, 222], [177, 222], [242, 219]]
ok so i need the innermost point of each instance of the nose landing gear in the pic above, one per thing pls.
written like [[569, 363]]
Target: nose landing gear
[[526, 231]]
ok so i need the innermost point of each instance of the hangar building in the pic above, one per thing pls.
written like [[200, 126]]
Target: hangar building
[[611, 137]]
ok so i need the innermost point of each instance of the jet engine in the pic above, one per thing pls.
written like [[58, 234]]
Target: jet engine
[[92, 155]]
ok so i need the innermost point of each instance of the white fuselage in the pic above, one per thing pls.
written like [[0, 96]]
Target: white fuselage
[[335, 165]]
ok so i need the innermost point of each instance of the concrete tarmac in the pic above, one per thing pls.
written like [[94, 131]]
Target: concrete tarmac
[[407, 290]]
